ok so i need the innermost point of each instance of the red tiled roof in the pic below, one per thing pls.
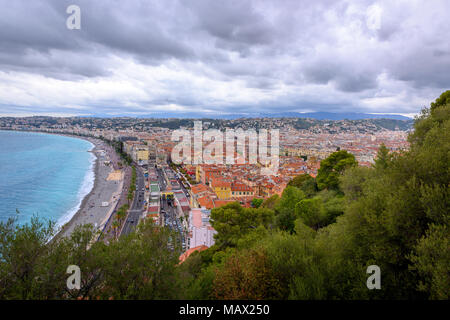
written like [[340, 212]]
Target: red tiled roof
[[199, 188], [206, 202]]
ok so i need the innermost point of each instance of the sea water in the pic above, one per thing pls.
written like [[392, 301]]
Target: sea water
[[43, 175]]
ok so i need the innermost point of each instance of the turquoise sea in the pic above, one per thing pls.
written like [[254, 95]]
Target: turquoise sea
[[43, 175]]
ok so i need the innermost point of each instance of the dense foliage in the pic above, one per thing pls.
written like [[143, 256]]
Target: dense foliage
[[315, 241], [137, 266]]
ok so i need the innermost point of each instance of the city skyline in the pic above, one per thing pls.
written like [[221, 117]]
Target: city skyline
[[224, 58]]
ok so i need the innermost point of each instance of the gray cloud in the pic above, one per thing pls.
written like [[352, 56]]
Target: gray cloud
[[223, 55], [233, 24]]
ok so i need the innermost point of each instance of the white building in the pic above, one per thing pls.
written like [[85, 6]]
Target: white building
[[200, 230]]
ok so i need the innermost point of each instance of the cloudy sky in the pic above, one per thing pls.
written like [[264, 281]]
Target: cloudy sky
[[150, 57]]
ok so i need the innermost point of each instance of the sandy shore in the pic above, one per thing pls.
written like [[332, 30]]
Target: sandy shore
[[100, 203]]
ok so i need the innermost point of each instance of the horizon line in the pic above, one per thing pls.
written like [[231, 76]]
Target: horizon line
[[200, 116]]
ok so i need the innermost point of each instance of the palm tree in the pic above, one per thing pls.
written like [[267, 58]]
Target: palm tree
[[120, 214], [130, 196], [115, 226]]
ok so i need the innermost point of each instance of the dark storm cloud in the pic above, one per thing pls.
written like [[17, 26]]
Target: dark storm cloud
[[424, 67], [141, 35], [233, 24], [345, 76], [56, 64], [30, 28], [31, 24], [222, 55]]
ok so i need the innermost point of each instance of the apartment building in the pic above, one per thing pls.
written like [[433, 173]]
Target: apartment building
[[200, 230]]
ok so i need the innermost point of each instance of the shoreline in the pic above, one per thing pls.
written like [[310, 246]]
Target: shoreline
[[92, 169], [108, 187], [83, 203], [91, 209]]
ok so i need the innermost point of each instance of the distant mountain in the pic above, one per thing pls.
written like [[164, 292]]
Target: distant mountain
[[311, 115], [337, 116]]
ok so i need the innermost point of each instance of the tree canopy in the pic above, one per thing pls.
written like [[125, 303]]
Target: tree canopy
[[332, 168]]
